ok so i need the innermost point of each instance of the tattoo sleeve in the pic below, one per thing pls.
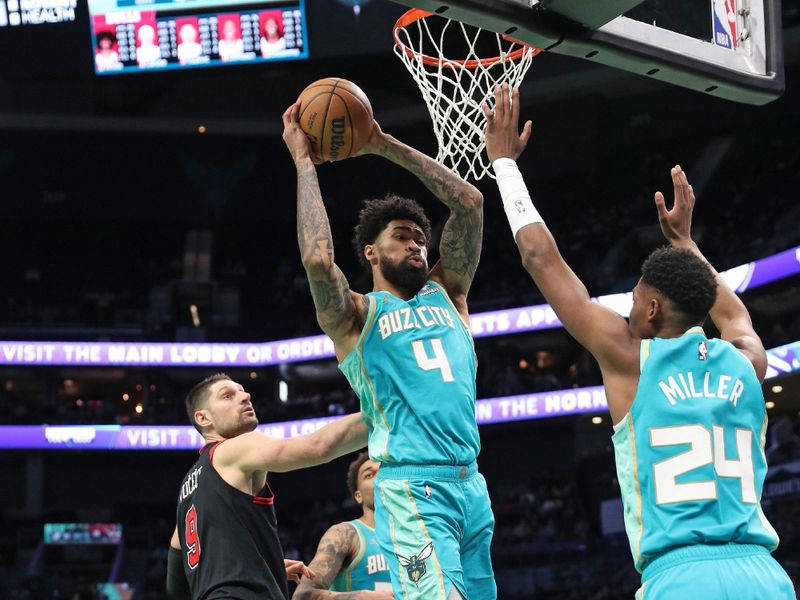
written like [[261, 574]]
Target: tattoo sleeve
[[460, 246], [339, 544], [329, 288]]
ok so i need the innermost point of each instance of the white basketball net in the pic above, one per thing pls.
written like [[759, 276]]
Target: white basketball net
[[453, 89]]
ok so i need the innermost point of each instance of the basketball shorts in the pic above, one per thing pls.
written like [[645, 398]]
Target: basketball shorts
[[434, 525], [725, 572]]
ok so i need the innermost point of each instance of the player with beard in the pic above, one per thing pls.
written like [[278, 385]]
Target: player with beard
[[407, 351], [226, 542]]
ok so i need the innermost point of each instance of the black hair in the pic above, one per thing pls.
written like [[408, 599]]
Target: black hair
[[198, 396], [683, 278], [106, 35], [352, 471], [376, 214]]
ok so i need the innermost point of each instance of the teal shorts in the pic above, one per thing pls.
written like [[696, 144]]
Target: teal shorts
[[434, 525], [725, 572]]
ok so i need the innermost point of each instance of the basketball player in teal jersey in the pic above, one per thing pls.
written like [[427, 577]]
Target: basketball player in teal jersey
[[407, 351], [349, 564], [688, 412]]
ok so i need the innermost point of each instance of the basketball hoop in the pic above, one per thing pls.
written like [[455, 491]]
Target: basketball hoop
[[453, 88]]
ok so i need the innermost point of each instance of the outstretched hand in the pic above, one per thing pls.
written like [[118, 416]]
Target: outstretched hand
[[295, 570], [676, 223], [503, 139], [295, 138]]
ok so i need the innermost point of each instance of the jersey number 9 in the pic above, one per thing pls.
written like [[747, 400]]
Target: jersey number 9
[[192, 538]]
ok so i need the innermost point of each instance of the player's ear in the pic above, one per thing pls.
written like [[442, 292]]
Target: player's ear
[[371, 253], [654, 310], [358, 497], [202, 417]]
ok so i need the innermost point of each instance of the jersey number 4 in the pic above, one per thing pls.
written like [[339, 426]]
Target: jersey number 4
[[192, 538], [438, 361], [705, 448]]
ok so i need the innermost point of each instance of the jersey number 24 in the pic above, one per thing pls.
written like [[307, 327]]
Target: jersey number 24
[[705, 448]]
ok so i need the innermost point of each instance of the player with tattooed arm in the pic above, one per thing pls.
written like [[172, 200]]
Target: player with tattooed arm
[[349, 564], [407, 351]]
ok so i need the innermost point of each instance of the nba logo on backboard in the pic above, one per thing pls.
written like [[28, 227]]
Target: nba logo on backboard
[[724, 17], [702, 351]]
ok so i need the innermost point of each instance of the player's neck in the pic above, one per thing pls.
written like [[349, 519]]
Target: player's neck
[[212, 437], [368, 518], [672, 330]]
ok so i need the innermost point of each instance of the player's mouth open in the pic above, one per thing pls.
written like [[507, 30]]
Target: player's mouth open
[[416, 261]]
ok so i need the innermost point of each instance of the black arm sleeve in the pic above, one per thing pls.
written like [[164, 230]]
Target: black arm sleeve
[[177, 586]]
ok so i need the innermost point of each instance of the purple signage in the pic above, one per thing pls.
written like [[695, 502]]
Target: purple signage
[[185, 437], [165, 354], [499, 322], [782, 360]]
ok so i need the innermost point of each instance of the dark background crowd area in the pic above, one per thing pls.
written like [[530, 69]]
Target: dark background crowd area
[[78, 265]]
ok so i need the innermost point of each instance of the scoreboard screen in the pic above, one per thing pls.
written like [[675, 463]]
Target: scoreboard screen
[[69, 534], [144, 35]]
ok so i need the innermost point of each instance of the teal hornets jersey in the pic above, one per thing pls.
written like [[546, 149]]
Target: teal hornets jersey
[[413, 369], [369, 569], [690, 453]]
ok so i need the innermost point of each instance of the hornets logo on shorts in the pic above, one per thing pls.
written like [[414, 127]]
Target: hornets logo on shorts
[[415, 565]]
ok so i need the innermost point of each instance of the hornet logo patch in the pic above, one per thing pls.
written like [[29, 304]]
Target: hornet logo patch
[[702, 351], [415, 565]]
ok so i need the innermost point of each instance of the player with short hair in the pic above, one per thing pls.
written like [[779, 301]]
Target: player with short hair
[[688, 411], [407, 351], [226, 542], [349, 564]]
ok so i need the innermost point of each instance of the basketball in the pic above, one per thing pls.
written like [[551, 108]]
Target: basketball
[[336, 116]]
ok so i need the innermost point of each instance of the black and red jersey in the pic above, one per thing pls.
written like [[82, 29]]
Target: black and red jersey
[[229, 539]]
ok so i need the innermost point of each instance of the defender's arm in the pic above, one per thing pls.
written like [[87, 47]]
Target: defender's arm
[[600, 330], [256, 451], [729, 312], [177, 586]]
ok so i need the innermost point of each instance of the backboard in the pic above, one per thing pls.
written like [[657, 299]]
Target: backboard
[[730, 49]]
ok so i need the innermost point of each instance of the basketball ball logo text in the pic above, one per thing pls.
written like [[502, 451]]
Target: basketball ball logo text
[[337, 137]]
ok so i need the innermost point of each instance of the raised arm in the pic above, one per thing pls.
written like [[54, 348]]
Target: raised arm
[[600, 330], [256, 451], [460, 245], [340, 311], [729, 312], [337, 548]]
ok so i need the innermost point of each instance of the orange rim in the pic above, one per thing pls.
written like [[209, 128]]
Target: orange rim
[[416, 14]]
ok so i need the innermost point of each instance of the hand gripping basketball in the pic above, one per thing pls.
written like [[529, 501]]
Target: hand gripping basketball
[[296, 140]]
